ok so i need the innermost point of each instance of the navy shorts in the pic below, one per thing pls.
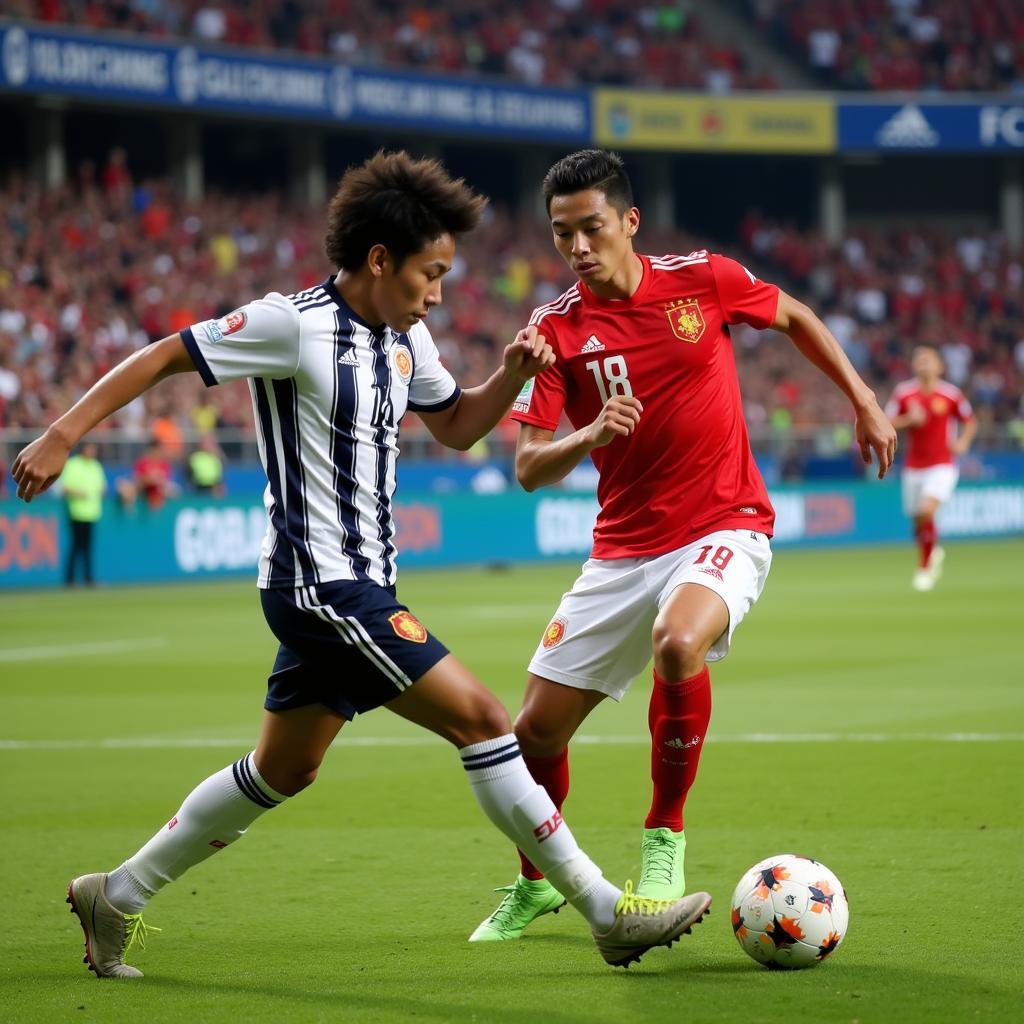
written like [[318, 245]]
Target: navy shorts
[[348, 645]]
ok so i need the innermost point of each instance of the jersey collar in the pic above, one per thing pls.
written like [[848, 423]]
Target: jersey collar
[[349, 312]]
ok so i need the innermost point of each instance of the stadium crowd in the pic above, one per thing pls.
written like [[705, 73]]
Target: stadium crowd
[[931, 45], [847, 44], [541, 42], [94, 270]]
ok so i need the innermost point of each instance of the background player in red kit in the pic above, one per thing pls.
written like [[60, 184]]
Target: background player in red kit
[[928, 407], [646, 375]]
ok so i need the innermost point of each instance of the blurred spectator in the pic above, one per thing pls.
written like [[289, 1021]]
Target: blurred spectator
[[206, 468], [153, 476], [83, 484]]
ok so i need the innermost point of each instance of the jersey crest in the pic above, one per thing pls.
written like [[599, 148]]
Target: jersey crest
[[686, 320]]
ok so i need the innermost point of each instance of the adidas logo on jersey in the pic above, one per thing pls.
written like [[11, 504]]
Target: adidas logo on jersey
[[907, 127], [349, 358], [592, 345]]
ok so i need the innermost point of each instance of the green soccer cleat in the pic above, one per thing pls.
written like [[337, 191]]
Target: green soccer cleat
[[109, 934], [525, 901], [641, 924], [661, 871]]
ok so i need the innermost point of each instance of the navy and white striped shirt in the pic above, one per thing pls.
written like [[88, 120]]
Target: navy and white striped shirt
[[328, 392]]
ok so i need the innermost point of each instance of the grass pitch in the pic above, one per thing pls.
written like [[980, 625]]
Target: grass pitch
[[875, 729]]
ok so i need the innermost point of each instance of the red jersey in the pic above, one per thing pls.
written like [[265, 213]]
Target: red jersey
[[687, 469], [943, 405]]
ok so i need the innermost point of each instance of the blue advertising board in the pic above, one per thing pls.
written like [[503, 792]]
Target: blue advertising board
[[133, 69], [924, 126], [206, 538]]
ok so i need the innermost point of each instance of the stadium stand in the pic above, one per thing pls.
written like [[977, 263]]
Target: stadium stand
[[135, 262], [562, 42], [894, 45]]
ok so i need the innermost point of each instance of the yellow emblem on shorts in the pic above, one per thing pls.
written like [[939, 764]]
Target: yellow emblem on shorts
[[686, 320], [408, 627], [554, 633]]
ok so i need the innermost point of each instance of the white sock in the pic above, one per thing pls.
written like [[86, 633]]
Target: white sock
[[216, 813], [505, 789]]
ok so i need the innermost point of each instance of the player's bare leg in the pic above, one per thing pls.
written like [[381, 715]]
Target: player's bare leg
[[448, 700], [931, 554], [689, 622], [215, 814], [549, 718]]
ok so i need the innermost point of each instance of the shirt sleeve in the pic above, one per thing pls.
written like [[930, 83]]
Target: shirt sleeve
[[260, 339], [964, 412], [744, 299], [542, 399], [432, 388]]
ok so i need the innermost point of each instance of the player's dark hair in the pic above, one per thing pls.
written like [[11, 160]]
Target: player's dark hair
[[597, 169], [398, 202]]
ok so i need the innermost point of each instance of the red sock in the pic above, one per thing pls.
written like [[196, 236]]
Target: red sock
[[553, 774], [926, 538], [678, 718]]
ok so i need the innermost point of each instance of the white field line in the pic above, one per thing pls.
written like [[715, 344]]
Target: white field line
[[201, 742], [45, 653]]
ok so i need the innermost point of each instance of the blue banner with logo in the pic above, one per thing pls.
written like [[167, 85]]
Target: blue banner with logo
[[132, 69], [931, 127], [204, 538]]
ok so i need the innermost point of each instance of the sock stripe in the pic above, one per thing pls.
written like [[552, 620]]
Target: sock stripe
[[249, 770], [495, 758], [467, 759], [244, 782]]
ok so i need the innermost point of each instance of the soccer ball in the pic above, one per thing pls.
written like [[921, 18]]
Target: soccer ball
[[789, 912]]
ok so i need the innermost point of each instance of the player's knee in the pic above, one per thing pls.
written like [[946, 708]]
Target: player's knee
[[482, 718], [538, 737], [679, 653], [289, 779]]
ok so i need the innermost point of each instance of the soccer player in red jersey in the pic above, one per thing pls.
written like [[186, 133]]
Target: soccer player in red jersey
[[927, 407], [645, 373]]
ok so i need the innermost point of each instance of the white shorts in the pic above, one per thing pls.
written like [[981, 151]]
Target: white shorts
[[600, 637], [937, 482]]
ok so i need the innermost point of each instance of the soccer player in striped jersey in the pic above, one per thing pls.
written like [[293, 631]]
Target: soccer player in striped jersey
[[332, 370], [929, 408], [645, 373]]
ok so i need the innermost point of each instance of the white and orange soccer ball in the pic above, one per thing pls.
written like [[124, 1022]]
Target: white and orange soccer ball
[[789, 912]]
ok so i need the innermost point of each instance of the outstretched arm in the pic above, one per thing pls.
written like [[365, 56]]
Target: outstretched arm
[[40, 463], [814, 340], [479, 409]]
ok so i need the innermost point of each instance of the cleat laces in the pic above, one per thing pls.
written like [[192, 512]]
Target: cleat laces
[[509, 907], [630, 903], [135, 931], [658, 857]]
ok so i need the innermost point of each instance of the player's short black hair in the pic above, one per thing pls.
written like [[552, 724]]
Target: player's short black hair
[[399, 202], [598, 169]]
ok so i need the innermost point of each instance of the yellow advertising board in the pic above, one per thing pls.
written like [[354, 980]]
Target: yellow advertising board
[[631, 119]]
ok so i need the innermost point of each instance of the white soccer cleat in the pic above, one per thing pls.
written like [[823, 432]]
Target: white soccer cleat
[[923, 580], [641, 924], [109, 934], [935, 563]]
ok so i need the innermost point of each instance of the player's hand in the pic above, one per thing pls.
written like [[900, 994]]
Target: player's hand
[[39, 464], [528, 355], [875, 433], [618, 418]]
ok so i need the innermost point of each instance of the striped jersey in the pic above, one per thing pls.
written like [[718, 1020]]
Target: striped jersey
[[328, 393], [687, 469], [944, 407]]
